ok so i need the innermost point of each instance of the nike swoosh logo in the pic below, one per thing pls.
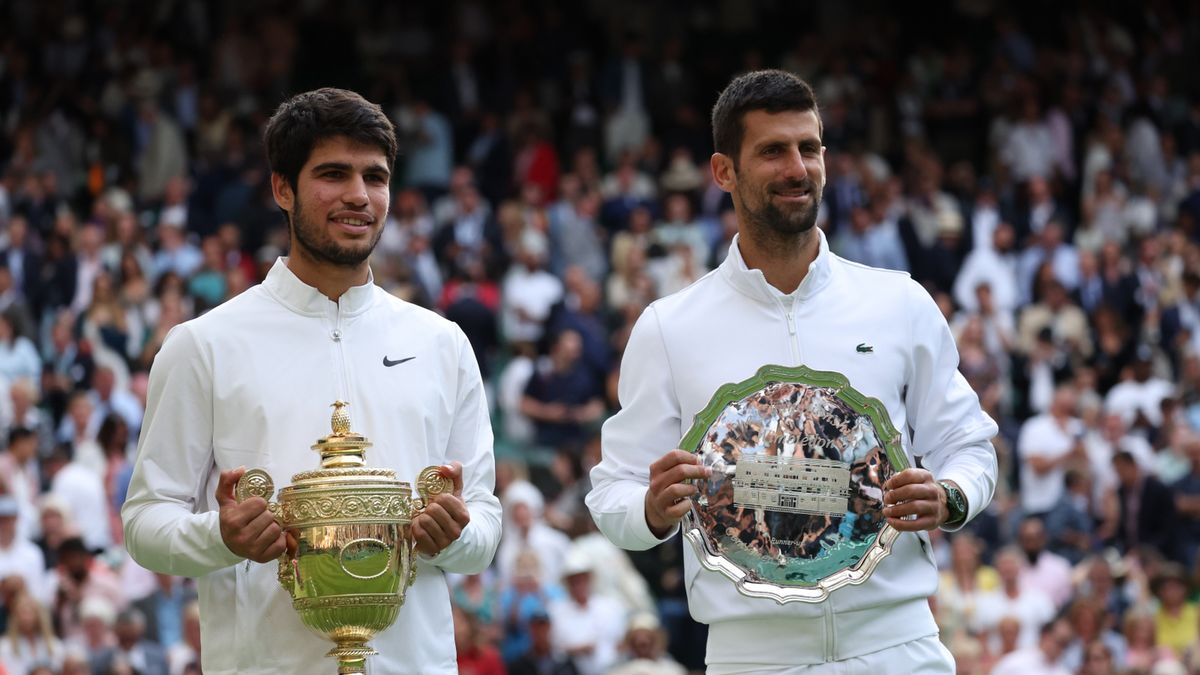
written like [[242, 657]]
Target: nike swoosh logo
[[389, 363]]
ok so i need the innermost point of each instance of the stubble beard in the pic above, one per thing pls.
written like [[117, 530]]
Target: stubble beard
[[769, 224], [316, 244]]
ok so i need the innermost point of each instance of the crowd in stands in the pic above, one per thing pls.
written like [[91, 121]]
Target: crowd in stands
[[1035, 166]]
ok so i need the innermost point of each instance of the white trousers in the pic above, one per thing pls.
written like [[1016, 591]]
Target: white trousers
[[926, 656]]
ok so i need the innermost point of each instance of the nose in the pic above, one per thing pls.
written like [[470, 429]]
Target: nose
[[356, 192], [794, 169]]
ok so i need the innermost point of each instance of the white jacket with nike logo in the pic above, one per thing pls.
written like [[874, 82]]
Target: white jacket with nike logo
[[885, 334], [250, 384]]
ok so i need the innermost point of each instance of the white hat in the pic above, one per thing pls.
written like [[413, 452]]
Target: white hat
[[523, 492], [577, 562], [98, 608]]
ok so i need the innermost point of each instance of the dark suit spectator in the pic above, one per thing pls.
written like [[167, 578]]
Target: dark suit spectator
[[1147, 509], [144, 656], [1187, 503], [541, 658], [1069, 525], [563, 399]]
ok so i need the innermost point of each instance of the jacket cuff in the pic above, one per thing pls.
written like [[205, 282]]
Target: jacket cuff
[[638, 528]]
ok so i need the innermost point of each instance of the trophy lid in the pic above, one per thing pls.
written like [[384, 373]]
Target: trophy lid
[[342, 448]]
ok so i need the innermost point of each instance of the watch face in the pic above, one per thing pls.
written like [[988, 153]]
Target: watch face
[[955, 502]]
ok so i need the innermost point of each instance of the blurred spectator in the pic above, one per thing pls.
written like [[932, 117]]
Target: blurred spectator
[[1147, 510], [186, 652], [1047, 444], [527, 535], [1144, 650], [1069, 525], [1138, 397], [961, 586], [475, 655], [1045, 572], [18, 556], [160, 152], [645, 649], [175, 253], [29, 640], [144, 656], [21, 478], [430, 154], [587, 626], [78, 578], [542, 658], [1044, 659], [869, 243], [80, 489], [563, 398], [1092, 626], [1029, 606], [1175, 622], [523, 599], [995, 266], [18, 355], [1187, 504], [528, 292]]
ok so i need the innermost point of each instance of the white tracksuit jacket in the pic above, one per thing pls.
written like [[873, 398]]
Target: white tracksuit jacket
[[250, 384], [722, 329]]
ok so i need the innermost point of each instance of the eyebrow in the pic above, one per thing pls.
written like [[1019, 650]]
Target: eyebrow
[[807, 141], [344, 166]]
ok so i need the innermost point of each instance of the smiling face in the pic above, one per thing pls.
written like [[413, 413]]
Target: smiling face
[[778, 177], [339, 204]]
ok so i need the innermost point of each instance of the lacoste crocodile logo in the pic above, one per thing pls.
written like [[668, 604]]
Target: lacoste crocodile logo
[[389, 363], [864, 348]]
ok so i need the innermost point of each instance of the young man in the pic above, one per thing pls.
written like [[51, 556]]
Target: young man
[[249, 385], [782, 298]]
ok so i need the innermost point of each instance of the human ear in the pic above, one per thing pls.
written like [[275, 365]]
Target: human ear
[[723, 171], [281, 189]]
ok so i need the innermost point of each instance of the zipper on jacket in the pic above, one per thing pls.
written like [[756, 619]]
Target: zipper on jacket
[[339, 353], [830, 634], [793, 336]]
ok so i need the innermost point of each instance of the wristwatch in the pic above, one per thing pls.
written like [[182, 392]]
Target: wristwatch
[[956, 503]]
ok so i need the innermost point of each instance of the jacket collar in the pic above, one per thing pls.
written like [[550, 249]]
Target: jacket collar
[[298, 296], [753, 283]]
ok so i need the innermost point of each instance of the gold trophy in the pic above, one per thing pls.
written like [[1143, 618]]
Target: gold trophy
[[350, 556]]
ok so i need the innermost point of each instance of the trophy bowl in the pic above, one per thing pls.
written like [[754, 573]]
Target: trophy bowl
[[350, 553], [793, 509]]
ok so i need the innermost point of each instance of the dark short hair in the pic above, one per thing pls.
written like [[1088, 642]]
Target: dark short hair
[[18, 433], [73, 545], [305, 119], [774, 91]]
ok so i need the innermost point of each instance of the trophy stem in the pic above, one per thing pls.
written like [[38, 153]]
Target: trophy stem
[[351, 657]]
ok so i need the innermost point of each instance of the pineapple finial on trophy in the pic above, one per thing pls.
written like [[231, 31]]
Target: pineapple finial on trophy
[[341, 419]]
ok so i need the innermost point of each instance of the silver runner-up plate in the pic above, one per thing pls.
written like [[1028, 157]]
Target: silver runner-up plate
[[794, 507]]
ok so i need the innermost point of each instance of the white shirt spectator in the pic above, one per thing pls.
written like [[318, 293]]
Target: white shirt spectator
[[1030, 607], [19, 358], [1041, 436], [600, 623], [23, 559], [1029, 152], [527, 297], [986, 266], [1131, 397], [510, 390], [1027, 662], [81, 488], [528, 532]]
